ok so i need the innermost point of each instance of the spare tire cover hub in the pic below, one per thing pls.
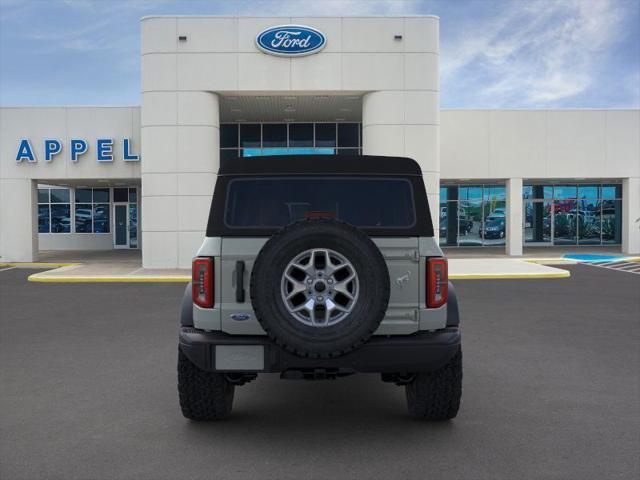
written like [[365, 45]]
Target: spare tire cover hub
[[319, 287]]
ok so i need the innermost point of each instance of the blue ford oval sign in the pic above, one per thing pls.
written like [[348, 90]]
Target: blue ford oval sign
[[291, 40]]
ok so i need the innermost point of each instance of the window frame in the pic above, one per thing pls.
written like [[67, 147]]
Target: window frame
[[49, 203], [93, 205]]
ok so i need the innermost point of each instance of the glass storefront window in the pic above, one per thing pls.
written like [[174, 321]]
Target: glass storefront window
[[101, 218], [301, 135], [562, 192], [472, 215], [289, 138], [44, 224], [120, 194], [133, 225], [83, 218], [59, 195], [537, 221], [250, 135], [588, 191], [60, 218], [612, 221], [229, 135], [580, 214], [83, 195], [274, 135], [91, 210], [325, 134], [54, 210], [348, 135], [611, 192], [100, 195]]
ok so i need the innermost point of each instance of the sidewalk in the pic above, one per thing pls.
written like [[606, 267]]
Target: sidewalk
[[126, 266]]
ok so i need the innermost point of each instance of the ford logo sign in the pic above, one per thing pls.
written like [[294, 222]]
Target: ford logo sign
[[240, 317], [291, 40]]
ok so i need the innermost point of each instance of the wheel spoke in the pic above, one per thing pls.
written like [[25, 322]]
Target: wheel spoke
[[298, 287], [342, 286], [331, 306]]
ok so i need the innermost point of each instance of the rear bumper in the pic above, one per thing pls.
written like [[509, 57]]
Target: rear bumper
[[423, 351]]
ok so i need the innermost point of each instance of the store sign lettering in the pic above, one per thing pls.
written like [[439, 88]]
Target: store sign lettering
[[104, 150], [291, 40]]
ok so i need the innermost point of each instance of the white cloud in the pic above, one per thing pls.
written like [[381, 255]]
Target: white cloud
[[535, 53]]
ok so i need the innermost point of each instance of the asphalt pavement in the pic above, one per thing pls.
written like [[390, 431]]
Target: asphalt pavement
[[551, 391]]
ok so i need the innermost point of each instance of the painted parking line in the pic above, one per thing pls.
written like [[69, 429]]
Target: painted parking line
[[5, 269], [621, 265]]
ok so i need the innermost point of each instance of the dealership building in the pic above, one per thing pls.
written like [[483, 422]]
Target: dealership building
[[218, 88]]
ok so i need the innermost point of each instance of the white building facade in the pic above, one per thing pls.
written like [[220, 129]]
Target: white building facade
[[142, 177]]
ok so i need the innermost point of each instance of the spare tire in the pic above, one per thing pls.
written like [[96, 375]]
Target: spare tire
[[320, 288]]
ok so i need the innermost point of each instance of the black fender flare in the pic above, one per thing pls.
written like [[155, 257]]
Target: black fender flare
[[186, 308], [453, 315]]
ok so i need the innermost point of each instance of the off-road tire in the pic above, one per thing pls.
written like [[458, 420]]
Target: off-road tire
[[436, 395], [203, 395], [340, 338]]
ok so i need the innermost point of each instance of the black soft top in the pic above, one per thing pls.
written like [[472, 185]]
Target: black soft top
[[321, 164], [328, 165]]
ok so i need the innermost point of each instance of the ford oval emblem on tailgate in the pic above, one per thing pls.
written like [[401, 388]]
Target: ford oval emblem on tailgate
[[240, 317], [291, 40]]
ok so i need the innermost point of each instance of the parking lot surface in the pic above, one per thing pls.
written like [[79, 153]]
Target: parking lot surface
[[551, 390]]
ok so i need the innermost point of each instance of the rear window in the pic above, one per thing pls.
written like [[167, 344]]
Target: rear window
[[364, 202]]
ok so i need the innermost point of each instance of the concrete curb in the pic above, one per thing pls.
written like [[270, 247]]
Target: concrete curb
[[38, 264], [39, 277]]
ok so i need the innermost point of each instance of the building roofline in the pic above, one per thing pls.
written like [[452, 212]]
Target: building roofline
[[148, 17]]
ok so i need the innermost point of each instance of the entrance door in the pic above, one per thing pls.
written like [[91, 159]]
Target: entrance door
[[121, 225], [538, 222]]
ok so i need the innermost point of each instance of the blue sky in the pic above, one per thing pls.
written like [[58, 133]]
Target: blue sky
[[494, 54]]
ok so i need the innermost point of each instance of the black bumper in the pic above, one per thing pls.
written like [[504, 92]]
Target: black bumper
[[423, 351]]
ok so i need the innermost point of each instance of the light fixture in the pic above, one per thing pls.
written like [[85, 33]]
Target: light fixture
[[182, 38]]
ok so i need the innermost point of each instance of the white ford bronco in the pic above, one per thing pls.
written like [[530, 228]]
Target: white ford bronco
[[319, 267]]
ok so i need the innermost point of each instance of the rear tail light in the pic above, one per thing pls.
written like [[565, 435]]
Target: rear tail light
[[202, 281], [437, 282]]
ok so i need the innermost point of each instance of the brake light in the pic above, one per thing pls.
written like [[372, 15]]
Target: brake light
[[437, 282], [202, 282]]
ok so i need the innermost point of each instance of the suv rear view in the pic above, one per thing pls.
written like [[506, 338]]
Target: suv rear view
[[319, 267]]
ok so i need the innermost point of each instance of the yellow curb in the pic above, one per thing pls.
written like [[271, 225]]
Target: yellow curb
[[511, 276], [38, 277], [550, 261], [38, 264]]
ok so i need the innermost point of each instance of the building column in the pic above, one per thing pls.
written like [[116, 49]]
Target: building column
[[406, 124], [631, 216], [514, 217], [179, 163], [18, 220]]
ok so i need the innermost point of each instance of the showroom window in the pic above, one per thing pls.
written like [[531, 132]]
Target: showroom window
[[572, 214], [54, 210], [472, 215], [258, 139], [91, 210]]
